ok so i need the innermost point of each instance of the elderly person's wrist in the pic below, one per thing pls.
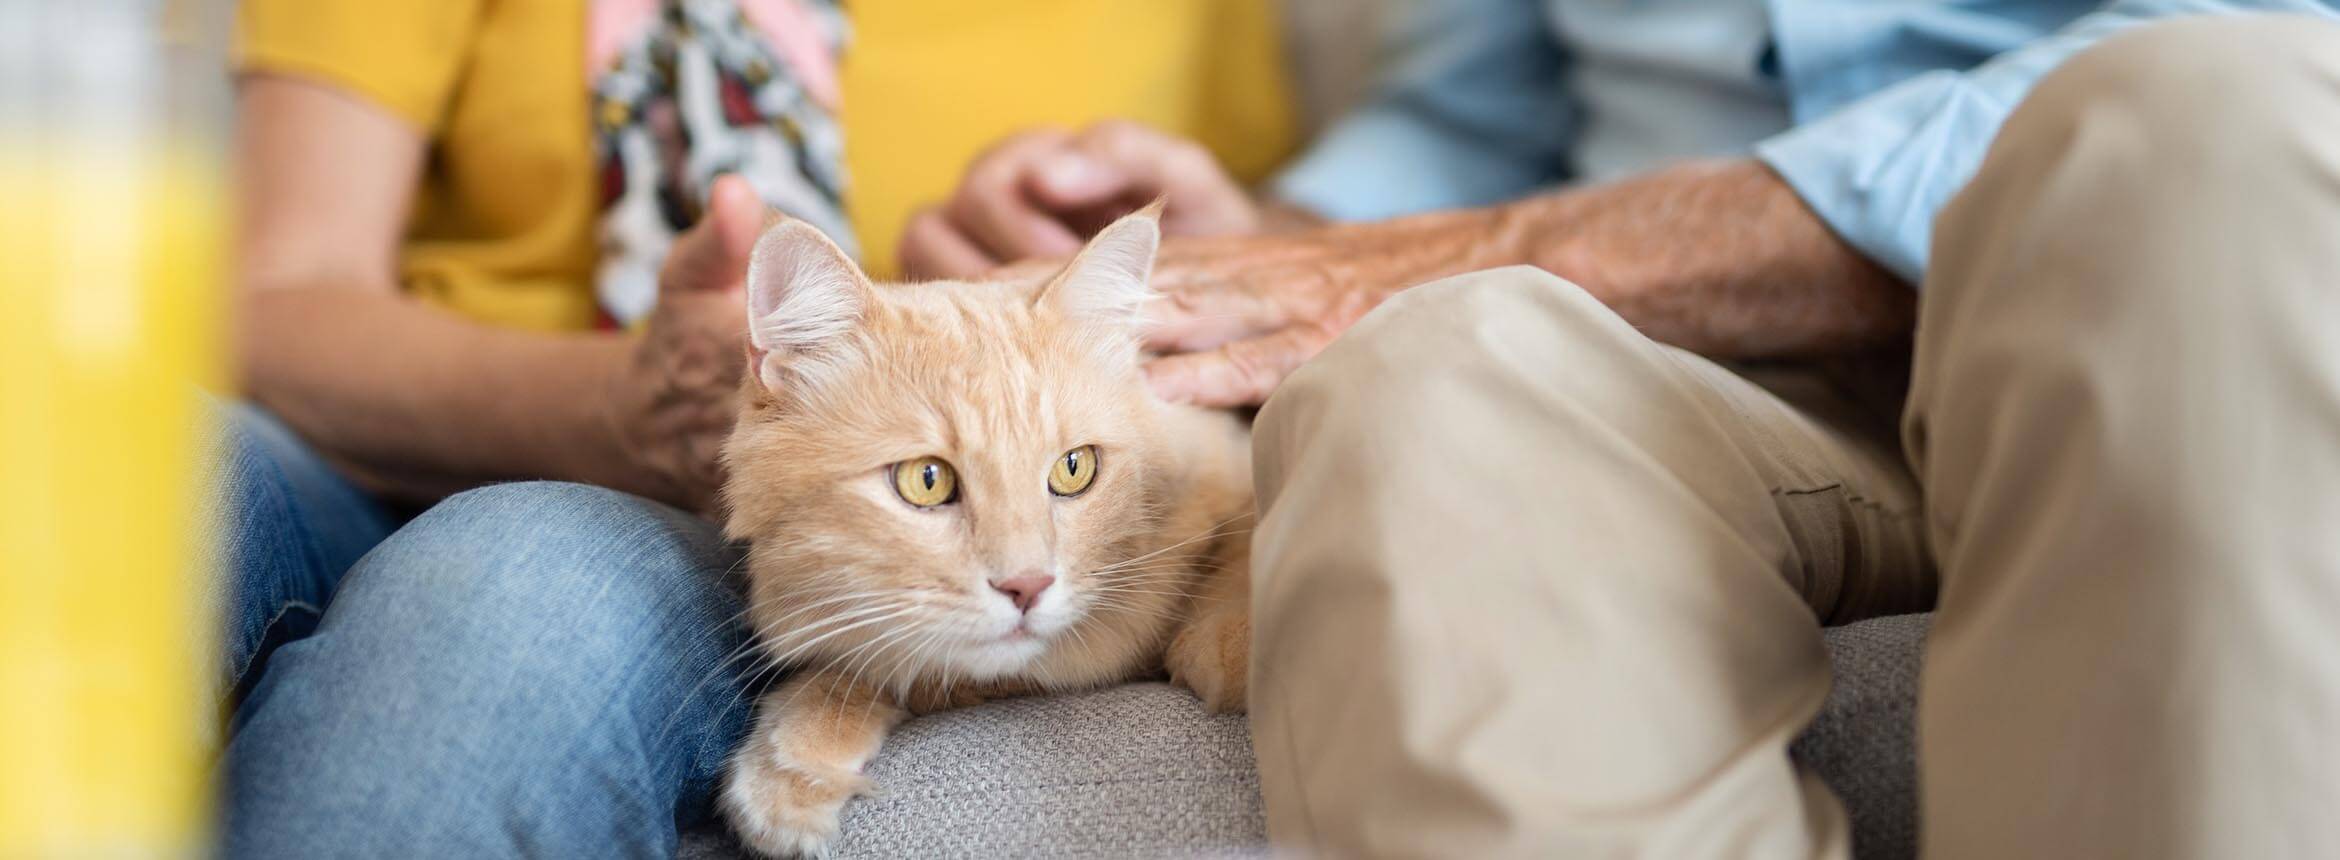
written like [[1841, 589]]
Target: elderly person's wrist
[[1718, 257]]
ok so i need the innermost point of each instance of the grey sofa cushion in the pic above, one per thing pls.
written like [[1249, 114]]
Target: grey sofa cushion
[[1140, 771], [1864, 743]]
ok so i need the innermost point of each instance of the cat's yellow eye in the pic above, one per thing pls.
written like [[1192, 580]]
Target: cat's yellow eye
[[1074, 471], [926, 481]]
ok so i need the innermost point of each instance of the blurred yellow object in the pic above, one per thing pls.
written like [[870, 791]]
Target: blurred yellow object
[[930, 83], [109, 269]]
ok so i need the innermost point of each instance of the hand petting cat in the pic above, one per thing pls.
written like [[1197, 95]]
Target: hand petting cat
[[673, 403], [1236, 314], [1720, 257]]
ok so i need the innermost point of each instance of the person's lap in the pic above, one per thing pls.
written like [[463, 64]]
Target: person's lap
[[1587, 621], [2111, 422], [287, 527], [531, 668]]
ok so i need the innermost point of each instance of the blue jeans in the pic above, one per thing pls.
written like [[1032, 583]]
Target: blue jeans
[[532, 669]]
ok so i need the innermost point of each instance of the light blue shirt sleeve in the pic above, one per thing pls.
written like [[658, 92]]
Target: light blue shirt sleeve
[[1880, 168], [1470, 110]]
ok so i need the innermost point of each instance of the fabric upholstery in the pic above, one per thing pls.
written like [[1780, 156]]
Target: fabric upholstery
[[1140, 770]]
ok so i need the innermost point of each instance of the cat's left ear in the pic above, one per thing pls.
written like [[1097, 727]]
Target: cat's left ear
[[1106, 281]]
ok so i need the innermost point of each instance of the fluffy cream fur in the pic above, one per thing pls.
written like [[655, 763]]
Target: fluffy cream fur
[[885, 609]]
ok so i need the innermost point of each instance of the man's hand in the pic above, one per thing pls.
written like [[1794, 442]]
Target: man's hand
[[673, 402], [1040, 193], [1720, 258], [1236, 314]]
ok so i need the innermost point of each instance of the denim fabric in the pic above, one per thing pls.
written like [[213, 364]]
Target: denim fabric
[[532, 669], [287, 528]]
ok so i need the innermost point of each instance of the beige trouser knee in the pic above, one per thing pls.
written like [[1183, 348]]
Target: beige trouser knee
[[1529, 584]]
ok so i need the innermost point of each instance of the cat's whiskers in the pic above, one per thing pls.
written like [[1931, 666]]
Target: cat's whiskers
[[831, 597], [1179, 562], [831, 677], [785, 623], [941, 684], [743, 610], [897, 612], [773, 662], [1172, 577], [749, 606], [749, 646], [880, 643], [756, 637], [1149, 612], [910, 663], [725, 627], [869, 598], [1139, 593], [766, 637], [889, 640], [1211, 533], [1166, 582], [1165, 610], [1151, 590], [915, 662], [1081, 639]]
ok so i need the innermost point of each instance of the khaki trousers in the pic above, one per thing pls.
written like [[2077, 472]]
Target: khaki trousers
[[1530, 584]]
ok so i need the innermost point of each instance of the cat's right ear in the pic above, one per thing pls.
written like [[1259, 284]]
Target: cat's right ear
[[804, 297]]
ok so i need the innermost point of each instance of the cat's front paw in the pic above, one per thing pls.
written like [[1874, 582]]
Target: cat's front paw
[[1212, 657], [786, 809]]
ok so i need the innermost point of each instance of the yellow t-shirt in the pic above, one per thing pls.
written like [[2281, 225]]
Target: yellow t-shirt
[[929, 84], [503, 222]]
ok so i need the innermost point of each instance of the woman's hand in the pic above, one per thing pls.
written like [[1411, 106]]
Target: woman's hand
[[414, 402], [1039, 194], [672, 404]]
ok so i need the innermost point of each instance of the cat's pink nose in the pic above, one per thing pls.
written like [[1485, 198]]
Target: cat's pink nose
[[1024, 590]]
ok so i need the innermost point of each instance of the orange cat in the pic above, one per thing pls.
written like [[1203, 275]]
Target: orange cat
[[957, 491]]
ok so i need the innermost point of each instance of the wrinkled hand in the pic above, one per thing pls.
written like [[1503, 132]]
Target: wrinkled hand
[[1237, 314], [675, 398], [1040, 193]]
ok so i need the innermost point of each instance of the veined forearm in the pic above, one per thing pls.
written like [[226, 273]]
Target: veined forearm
[[1721, 258]]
